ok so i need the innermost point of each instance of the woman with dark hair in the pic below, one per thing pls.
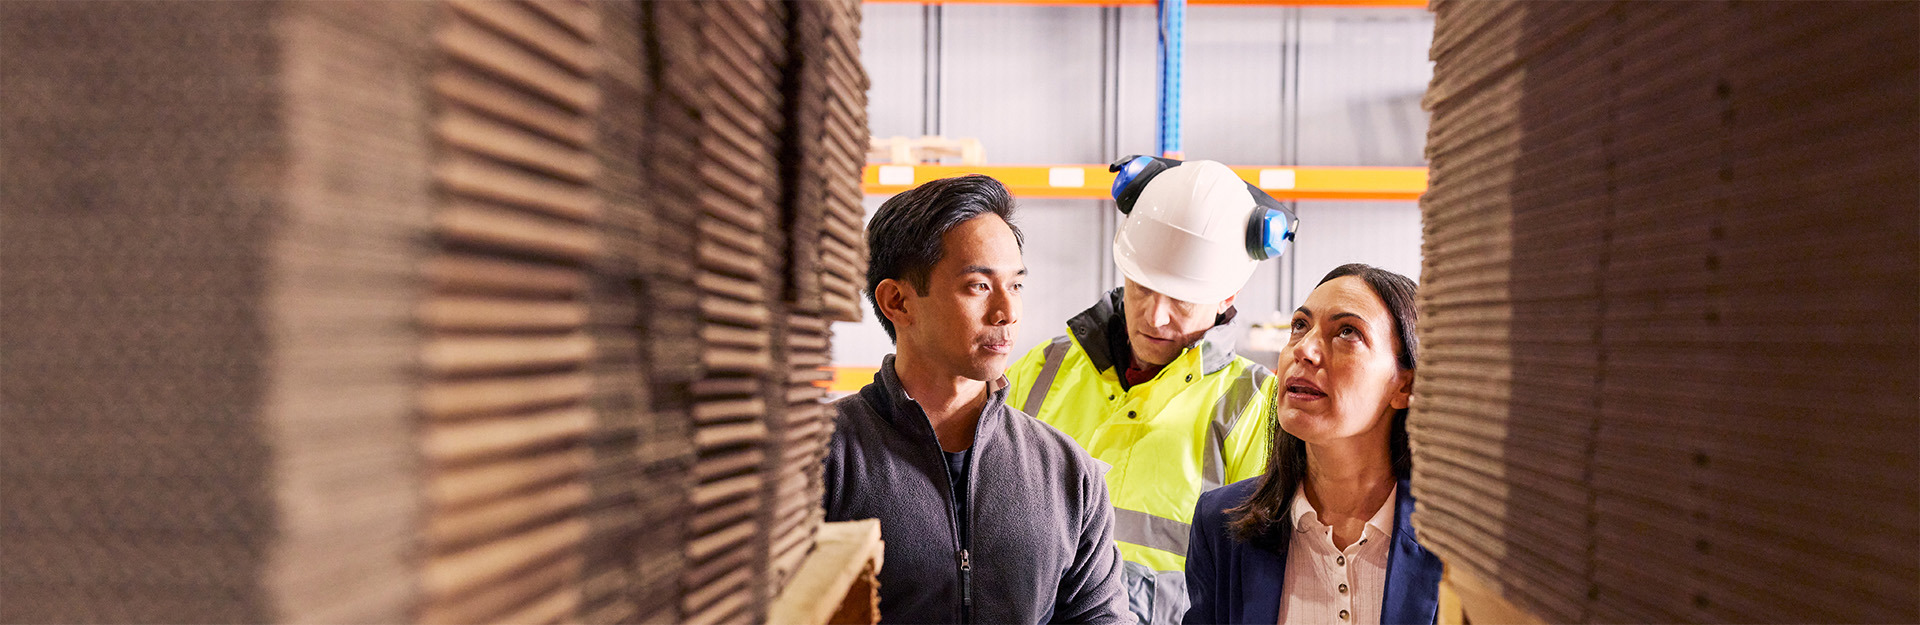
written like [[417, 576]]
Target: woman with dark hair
[[1325, 535]]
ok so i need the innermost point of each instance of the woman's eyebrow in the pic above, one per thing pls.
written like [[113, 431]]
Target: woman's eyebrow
[[1336, 316]]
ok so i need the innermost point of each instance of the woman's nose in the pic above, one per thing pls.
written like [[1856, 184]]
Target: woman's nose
[[1307, 350]]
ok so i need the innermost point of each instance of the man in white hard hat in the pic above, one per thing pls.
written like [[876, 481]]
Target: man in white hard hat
[[1147, 380]]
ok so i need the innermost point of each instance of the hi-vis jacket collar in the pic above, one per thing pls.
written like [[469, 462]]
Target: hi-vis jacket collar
[[1089, 328]]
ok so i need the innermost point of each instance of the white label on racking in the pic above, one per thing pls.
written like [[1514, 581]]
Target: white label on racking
[[1276, 178], [896, 175], [1066, 177]]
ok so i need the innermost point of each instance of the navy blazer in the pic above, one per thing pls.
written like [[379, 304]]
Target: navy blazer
[[1229, 581]]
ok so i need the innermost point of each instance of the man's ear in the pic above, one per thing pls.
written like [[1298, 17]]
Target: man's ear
[[892, 296], [1227, 303], [1403, 396]]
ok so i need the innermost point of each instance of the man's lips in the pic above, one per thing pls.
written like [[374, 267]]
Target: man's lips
[[1301, 389]]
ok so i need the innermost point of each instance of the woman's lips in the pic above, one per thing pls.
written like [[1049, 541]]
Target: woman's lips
[[1301, 389]]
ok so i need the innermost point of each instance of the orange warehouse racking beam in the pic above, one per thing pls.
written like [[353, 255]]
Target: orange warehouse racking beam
[[1095, 182], [848, 379]]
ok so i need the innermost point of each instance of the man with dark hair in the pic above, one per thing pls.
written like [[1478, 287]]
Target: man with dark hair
[[989, 516]]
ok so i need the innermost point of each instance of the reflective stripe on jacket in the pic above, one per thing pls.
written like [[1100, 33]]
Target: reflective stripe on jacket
[[1202, 422]]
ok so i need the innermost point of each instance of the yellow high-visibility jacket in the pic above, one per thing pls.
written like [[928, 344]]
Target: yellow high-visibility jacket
[[1204, 421]]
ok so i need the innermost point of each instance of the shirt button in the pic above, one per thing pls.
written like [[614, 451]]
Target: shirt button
[[1342, 560], [1343, 615], [1132, 415], [1189, 377], [1343, 589]]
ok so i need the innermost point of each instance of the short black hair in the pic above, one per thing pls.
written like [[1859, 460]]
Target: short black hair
[[903, 238]]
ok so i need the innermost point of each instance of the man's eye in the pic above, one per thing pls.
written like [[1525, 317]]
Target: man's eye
[[1017, 286], [1299, 325], [1349, 332]]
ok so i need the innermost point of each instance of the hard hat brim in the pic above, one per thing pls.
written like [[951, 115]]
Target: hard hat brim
[[1186, 290]]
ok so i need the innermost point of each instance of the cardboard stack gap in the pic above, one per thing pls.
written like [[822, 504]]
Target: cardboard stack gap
[[1670, 364], [644, 444]]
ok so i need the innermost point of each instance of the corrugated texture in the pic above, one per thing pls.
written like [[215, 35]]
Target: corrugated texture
[[835, 74], [632, 559], [740, 281], [824, 257], [1666, 373], [189, 434], [519, 382], [451, 312]]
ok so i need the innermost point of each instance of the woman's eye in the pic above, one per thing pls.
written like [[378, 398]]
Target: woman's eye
[[1017, 286], [1299, 325], [1348, 332]]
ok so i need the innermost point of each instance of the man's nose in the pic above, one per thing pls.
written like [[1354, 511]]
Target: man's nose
[[1005, 308], [1160, 312]]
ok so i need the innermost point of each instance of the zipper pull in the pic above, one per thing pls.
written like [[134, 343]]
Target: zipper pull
[[966, 587]]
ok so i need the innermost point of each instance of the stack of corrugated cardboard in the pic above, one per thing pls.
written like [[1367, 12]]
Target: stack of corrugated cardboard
[[509, 398], [738, 278], [843, 97], [451, 312], [822, 202], [644, 315], [205, 411], [1671, 283]]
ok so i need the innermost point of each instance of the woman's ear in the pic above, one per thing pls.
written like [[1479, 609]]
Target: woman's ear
[[1403, 395], [891, 295]]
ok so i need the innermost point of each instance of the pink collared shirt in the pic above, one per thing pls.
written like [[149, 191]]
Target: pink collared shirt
[[1328, 585]]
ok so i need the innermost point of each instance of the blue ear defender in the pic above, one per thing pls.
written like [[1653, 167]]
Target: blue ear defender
[[1127, 169], [1276, 231], [1133, 173], [1270, 227]]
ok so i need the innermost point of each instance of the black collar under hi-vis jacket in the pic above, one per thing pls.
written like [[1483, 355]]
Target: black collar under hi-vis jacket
[[1040, 540]]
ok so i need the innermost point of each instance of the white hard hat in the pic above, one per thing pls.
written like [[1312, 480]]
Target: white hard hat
[[1194, 230]]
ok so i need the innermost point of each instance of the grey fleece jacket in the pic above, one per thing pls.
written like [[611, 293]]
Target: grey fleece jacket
[[1041, 527]]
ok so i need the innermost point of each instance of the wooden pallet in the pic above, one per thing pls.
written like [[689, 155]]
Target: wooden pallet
[[838, 582], [1465, 599], [928, 149]]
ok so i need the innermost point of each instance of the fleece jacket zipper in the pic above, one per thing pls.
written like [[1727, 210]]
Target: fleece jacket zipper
[[966, 558], [963, 559]]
